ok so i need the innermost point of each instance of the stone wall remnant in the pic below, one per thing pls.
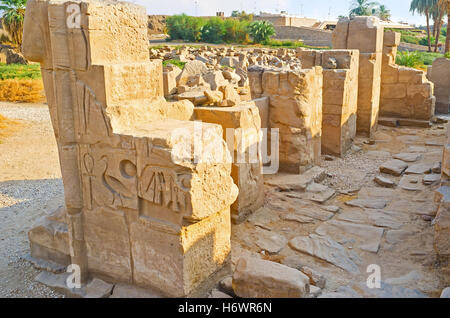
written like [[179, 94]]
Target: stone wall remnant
[[440, 76], [405, 92], [139, 208], [295, 99], [366, 35], [340, 96]]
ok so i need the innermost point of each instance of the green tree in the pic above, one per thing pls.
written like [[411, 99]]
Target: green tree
[[363, 8], [184, 27], [236, 31], [383, 13], [13, 16], [213, 31], [261, 31], [423, 7]]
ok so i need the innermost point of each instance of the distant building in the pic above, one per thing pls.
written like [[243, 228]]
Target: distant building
[[284, 19]]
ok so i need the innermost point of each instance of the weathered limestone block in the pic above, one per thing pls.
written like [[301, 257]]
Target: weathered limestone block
[[255, 278], [295, 99], [405, 92], [170, 80], [242, 130], [440, 76], [148, 192], [340, 96], [366, 35], [49, 238]]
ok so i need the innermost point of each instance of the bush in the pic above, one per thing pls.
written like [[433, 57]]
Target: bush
[[409, 59], [261, 31], [25, 90], [424, 41], [236, 31], [213, 31], [183, 27], [447, 55]]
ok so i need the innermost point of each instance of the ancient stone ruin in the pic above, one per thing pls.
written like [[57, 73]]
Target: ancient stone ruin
[[134, 214], [159, 163]]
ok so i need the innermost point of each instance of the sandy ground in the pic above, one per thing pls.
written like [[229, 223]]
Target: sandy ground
[[31, 186]]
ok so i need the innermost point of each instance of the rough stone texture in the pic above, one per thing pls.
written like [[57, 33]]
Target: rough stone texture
[[394, 167], [255, 278], [440, 74], [340, 96], [442, 220], [326, 249], [296, 110], [366, 35], [139, 208], [241, 129], [405, 92]]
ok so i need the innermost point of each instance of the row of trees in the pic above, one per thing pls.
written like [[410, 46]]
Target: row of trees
[[436, 10], [217, 30], [367, 8]]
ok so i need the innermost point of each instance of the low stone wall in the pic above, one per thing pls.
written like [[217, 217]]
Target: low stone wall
[[295, 99], [405, 92], [310, 36]]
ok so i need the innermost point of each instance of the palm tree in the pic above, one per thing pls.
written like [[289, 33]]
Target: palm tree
[[423, 7], [362, 7], [383, 13], [438, 11], [13, 15]]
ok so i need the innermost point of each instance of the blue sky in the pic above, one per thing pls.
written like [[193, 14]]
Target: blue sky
[[313, 8]]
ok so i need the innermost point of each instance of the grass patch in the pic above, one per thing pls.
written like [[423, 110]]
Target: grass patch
[[20, 71], [176, 63], [22, 90], [419, 60]]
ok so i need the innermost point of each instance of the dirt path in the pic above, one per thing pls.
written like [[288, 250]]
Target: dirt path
[[30, 187]]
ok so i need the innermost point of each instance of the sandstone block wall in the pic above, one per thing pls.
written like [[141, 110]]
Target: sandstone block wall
[[141, 206], [405, 92], [309, 36], [340, 96], [366, 35], [242, 130], [295, 99], [440, 76]]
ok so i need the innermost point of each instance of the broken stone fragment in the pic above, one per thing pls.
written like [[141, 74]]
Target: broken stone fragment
[[255, 278], [384, 182], [327, 249], [315, 278], [214, 97], [408, 156], [270, 242], [394, 167], [368, 203]]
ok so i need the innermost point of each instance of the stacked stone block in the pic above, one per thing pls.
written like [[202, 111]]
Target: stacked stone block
[[405, 92]]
